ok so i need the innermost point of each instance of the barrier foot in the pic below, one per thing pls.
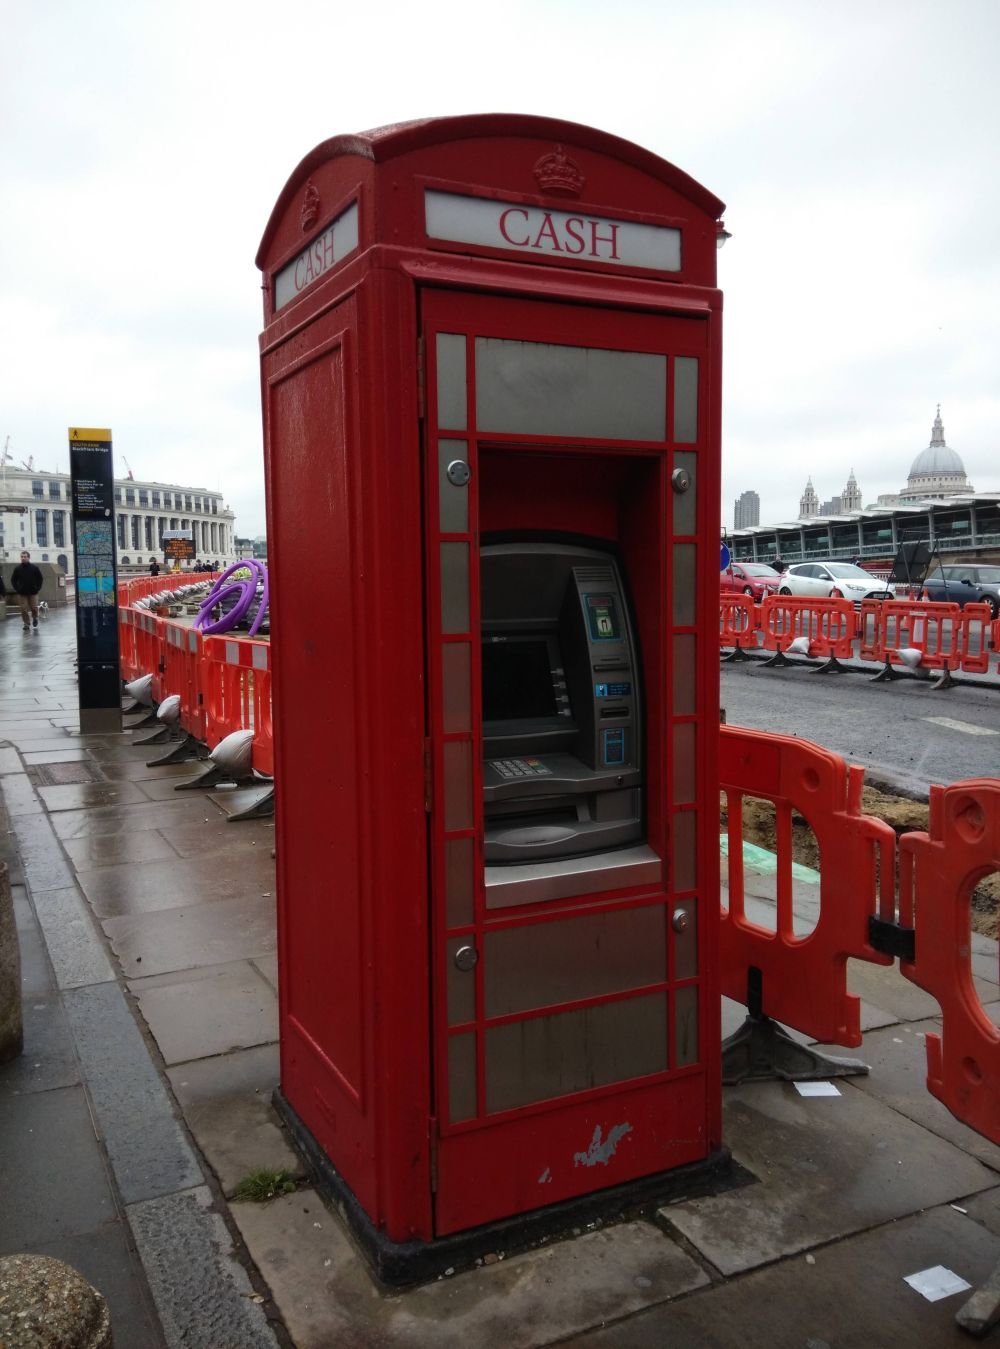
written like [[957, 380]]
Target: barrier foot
[[832, 666], [150, 719], [186, 749], [761, 1051], [738, 653], [161, 734], [778, 659], [884, 675], [251, 801], [215, 777], [981, 1312], [943, 681]]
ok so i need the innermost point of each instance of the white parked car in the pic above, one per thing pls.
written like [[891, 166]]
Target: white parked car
[[841, 580]]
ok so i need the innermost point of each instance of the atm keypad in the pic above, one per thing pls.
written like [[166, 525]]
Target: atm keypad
[[519, 768]]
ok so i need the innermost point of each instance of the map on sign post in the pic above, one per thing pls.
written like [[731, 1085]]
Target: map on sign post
[[92, 491]]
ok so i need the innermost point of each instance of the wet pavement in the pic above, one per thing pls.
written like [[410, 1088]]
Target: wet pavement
[[147, 934]]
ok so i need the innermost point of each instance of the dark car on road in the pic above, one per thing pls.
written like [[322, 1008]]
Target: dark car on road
[[965, 583]]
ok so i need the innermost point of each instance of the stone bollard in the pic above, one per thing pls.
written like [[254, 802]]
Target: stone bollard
[[11, 1028], [43, 1301]]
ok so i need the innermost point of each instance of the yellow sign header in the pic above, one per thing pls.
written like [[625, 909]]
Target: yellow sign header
[[89, 433]]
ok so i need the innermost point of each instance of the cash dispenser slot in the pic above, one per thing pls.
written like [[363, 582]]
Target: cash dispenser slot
[[563, 746]]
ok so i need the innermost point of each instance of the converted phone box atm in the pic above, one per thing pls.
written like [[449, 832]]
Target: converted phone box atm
[[491, 392]]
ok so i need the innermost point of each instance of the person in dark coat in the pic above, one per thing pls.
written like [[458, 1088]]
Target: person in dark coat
[[154, 567], [27, 582]]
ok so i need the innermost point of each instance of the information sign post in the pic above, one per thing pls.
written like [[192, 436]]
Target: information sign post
[[92, 484]]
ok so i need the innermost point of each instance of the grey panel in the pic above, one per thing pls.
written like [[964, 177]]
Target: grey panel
[[451, 382], [686, 1026], [461, 1077], [456, 686], [544, 389], [686, 942], [685, 675], [457, 755], [461, 986], [686, 399], [573, 876], [453, 501], [686, 503], [685, 558], [459, 880], [454, 587], [574, 958], [551, 1056], [684, 741], [684, 850]]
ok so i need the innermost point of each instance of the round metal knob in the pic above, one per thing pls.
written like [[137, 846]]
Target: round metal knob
[[680, 480], [458, 472], [466, 957], [680, 921]]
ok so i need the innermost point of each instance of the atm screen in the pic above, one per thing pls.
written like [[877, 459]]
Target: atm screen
[[517, 679]]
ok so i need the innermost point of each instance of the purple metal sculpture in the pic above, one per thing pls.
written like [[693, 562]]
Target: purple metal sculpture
[[245, 589]]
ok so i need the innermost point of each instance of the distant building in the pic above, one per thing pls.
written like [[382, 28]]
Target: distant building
[[832, 507], [848, 501], [936, 472], [746, 510], [808, 502]]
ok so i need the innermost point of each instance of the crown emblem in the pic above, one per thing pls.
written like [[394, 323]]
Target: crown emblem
[[310, 206], [558, 173]]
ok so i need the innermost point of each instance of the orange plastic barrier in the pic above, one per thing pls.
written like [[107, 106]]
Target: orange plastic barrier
[[829, 625], [932, 628], [871, 631], [238, 695], [804, 978], [937, 872], [737, 624], [183, 661], [977, 621], [128, 655], [148, 642]]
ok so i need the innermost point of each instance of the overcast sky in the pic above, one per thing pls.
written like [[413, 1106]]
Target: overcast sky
[[855, 142]]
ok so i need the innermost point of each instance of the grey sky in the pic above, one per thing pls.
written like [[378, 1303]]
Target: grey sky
[[854, 142]]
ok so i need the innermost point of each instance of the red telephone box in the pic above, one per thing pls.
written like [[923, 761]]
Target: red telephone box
[[491, 392]]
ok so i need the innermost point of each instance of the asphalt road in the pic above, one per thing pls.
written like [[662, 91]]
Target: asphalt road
[[903, 733]]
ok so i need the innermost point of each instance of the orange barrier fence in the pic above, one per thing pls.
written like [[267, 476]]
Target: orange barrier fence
[[737, 623], [937, 873], [828, 625], [182, 665], [238, 695], [803, 974]]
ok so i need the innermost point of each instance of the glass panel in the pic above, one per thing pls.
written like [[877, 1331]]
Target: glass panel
[[685, 556], [686, 942], [686, 1026], [456, 682], [457, 755], [683, 749], [459, 881], [685, 675], [549, 1056], [461, 986], [454, 587], [451, 383], [453, 500], [685, 850], [576, 958], [461, 1077], [552, 390], [686, 399], [686, 503]]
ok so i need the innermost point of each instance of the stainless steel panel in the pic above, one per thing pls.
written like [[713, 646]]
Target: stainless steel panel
[[461, 1077], [538, 881], [552, 390], [686, 503], [685, 675], [686, 941], [573, 958], [454, 587], [461, 986], [456, 686], [686, 1026], [550, 1056], [685, 576], [452, 398], [684, 850], [686, 399], [459, 881], [457, 755], [453, 501], [683, 745]]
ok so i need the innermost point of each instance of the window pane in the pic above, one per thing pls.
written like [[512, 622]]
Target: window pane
[[451, 383], [686, 399]]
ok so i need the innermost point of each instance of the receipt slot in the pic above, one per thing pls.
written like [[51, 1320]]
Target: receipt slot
[[490, 371]]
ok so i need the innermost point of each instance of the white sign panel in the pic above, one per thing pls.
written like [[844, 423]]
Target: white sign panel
[[535, 231], [325, 251]]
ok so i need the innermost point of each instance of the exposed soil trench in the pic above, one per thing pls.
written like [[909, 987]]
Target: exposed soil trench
[[903, 815]]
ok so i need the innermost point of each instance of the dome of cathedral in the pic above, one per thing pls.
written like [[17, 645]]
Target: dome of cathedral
[[938, 462]]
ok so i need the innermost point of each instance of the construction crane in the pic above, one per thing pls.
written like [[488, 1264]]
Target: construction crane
[[131, 476], [6, 457], [29, 463]]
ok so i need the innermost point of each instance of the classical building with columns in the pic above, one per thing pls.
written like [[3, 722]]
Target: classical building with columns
[[36, 513]]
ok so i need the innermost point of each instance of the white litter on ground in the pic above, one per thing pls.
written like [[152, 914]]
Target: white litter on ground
[[936, 1283], [817, 1089]]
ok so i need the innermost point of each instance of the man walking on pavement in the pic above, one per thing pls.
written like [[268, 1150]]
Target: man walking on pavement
[[27, 582]]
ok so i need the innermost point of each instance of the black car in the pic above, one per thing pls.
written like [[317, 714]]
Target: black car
[[964, 584]]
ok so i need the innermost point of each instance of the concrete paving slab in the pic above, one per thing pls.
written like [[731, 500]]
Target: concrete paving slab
[[110, 850], [227, 1106], [19, 795], [164, 789], [133, 819], [10, 761], [828, 1167], [67, 755], [91, 795], [214, 1010], [137, 770], [203, 934], [49, 1058], [852, 1296], [117, 891], [268, 966], [77, 955], [56, 1190], [222, 838], [146, 1145], [36, 734], [986, 967], [326, 1296], [203, 1296], [885, 987], [985, 1208], [36, 972], [45, 866]]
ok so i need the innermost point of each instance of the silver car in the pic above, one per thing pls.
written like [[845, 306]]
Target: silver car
[[841, 580]]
